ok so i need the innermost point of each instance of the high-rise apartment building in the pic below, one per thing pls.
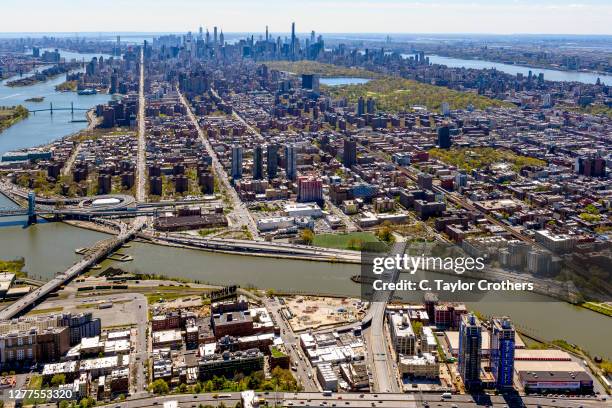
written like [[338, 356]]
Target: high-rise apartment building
[[272, 160], [236, 162], [470, 350], [349, 156], [258, 162], [291, 161], [502, 352]]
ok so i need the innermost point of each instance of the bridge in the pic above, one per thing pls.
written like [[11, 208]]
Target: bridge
[[51, 109], [99, 251]]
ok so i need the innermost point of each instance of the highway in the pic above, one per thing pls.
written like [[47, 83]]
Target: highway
[[384, 373], [356, 400], [272, 248], [240, 214]]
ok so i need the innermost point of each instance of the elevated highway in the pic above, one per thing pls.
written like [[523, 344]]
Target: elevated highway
[[236, 245]]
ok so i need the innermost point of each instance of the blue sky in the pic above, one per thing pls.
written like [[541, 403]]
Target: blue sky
[[331, 16]]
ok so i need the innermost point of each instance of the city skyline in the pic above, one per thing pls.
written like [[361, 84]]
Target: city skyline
[[339, 16]]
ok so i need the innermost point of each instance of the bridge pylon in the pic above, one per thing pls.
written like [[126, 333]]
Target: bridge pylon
[[31, 208]]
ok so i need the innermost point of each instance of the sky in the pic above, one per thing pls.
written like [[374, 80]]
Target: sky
[[326, 16]]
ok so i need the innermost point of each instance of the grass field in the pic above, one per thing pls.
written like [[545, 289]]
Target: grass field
[[343, 241], [50, 310], [602, 308]]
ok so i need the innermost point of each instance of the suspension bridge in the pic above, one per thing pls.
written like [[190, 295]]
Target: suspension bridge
[[51, 109]]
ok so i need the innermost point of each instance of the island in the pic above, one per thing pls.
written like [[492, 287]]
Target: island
[[9, 115], [35, 99]]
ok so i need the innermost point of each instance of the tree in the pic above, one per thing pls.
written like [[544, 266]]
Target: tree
[[417, 327], [355, 244], [87, 402], [159, 387], [307, 236], [385, 233], [591, 209], [57, 380]]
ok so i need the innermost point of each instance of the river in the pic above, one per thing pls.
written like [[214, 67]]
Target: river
[[42, 127], [549, 74], [49, 248]]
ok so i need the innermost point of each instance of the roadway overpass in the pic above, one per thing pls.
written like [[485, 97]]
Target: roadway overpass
[[259, 247]]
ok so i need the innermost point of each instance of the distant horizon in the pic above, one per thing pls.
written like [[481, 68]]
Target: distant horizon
[[476, 34], [496, 17]]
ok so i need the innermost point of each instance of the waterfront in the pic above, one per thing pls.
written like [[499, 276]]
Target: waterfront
[[549, 74], [42, 127], [45, 255]]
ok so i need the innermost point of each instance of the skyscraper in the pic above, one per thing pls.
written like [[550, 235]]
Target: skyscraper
[[349, 156], [371, 106], [215, 38], [360, 106], [258, 162], [502, 351], [291, 161], [292, 40], [272, 160], [267, 37], [470, 350], [236, 162], [444, 139]]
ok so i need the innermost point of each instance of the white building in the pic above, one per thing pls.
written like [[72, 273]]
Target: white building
[[402, 333], [424, 366], [327, 377], [274, 223], [303, 210]]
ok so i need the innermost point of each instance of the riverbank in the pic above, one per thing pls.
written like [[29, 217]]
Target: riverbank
[[11, 115], [527, 64]]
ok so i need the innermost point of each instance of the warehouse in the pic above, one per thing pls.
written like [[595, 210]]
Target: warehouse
[[553, 376]]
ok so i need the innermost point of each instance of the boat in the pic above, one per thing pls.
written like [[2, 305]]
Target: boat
[[87, 91]]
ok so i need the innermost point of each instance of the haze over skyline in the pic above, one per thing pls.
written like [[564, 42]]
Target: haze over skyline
[[335, 16]]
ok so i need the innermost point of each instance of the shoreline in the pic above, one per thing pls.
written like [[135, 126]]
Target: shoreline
[[152, 241], [549, 68]]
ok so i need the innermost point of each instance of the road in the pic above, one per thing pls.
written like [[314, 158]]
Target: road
[[384, 373], [356, 400], [141, 162], [240, 213], [276, 248], [292, 344]]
